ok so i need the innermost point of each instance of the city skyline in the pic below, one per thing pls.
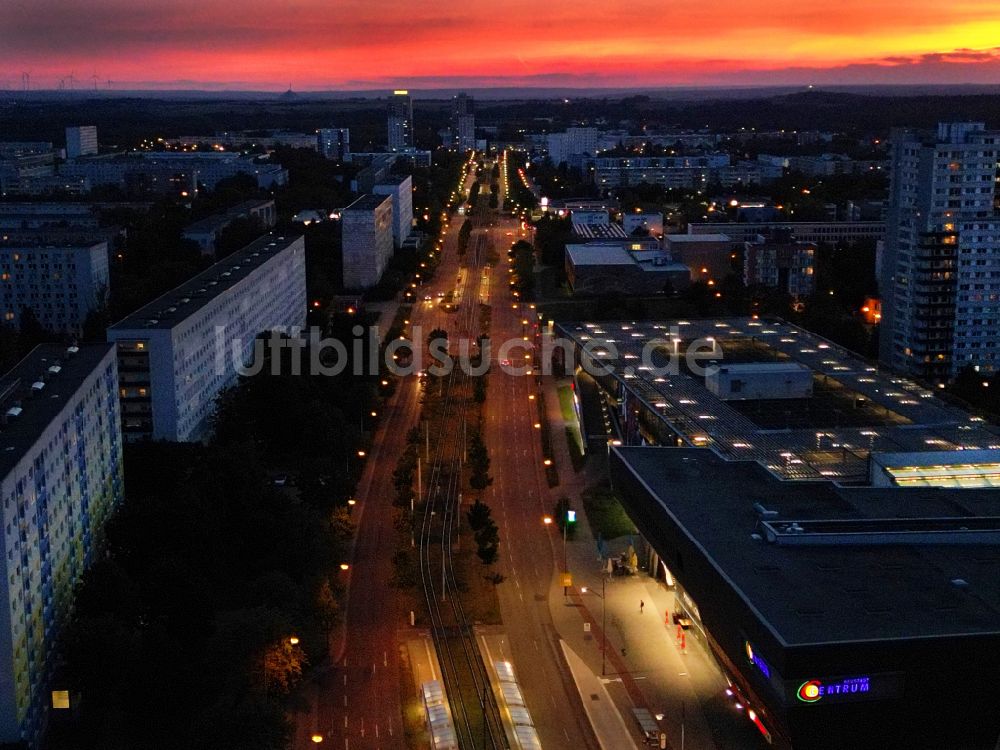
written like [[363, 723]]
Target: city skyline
[[309, 45]]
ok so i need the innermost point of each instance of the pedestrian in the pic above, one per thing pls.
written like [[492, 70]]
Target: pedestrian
[[642, 606]]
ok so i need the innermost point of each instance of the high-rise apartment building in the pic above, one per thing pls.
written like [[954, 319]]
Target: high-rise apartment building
[[400, 189], [366, 227], [463, 122], [400, 121], [59, 284], [81, 140], [60, 478], [334, 143], [573, 142], [940, 273], [782, 263], [176, 354]]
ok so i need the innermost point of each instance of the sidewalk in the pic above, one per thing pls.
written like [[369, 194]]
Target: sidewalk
[[604, 716], [644, 664], [387, 313]]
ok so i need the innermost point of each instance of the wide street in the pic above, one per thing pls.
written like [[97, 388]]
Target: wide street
[[356, 702]]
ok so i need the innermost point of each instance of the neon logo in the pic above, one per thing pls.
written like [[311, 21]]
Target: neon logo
[[755, 659], [813, 690], [810, 692]]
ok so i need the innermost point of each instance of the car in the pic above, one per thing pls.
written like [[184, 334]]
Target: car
[[427, 298], [510, 234], [505, 363], [441, 295]]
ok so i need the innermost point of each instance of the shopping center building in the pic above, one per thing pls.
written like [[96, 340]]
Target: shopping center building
[[831, 532], [844, 617]]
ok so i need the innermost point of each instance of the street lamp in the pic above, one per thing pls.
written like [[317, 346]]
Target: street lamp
[[345, 566], [294, 641], [317, 738]]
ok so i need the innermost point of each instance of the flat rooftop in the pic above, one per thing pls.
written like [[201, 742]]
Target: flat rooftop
[[393, 179], [828, 592], [855, 409], [169, 309], [38, 407], [368, 202], [224, 218], [43, 238], [596, 254], [696, 239]]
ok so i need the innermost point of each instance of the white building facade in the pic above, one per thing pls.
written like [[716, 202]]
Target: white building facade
[[366, 227], [60, 479], [400, 189], [60, 285], [176, 354], [940, 270], [81, 140]]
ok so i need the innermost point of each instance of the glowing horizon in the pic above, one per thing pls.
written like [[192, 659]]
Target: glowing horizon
[[352, 44]]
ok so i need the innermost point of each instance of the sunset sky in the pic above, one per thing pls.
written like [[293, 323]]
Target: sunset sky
[[360, 44]]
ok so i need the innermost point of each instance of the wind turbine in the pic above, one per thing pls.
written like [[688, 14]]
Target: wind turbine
[[25, 80], [94, 78]]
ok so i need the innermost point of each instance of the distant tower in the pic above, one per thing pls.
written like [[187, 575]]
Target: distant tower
[[940, 274], [81, 140], [335, 143], [400, 120], [463, 123]]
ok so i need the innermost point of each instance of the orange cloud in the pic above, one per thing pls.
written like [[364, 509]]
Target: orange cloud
[[356, 43]]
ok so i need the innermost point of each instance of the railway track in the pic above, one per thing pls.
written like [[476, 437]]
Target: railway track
[[463, 670]]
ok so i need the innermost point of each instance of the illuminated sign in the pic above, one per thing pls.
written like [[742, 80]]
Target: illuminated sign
[[756, 660], [813, 691]]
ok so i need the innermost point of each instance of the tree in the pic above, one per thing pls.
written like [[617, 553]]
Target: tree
[[436, 334], [341, 524], [479, 515], [283, 662], [488, 542], [488, 555]]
